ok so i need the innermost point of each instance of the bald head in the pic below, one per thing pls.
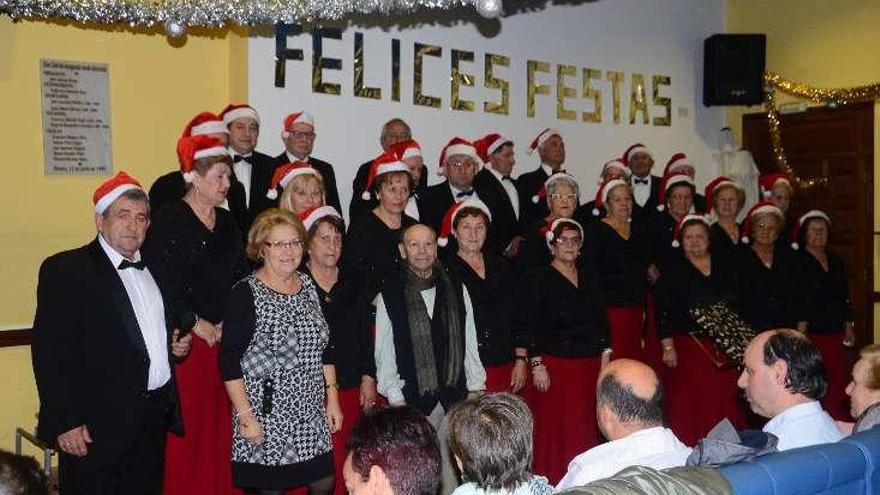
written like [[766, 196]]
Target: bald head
[[634, 375], [418, 246], [629, 398]]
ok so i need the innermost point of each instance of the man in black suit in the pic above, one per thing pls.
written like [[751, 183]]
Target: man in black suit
[[394, 131], [646, 187], [252, 170], [499, 191], [299, 140], [102, 350], [551, 149], [459, 163]]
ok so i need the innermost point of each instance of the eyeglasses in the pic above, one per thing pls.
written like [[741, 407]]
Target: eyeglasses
[[569, 241], [563, 197], [302, 135], [766, 226], [296, 243], [461, 163]]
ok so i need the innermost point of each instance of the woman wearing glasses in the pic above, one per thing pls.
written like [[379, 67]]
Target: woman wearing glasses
[[276, 369], [561, 192]]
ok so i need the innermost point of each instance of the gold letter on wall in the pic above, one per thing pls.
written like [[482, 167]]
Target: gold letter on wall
[[534, 88], [319, 63], [395, 69], [420, 51], [457, 79], [359, 88], [563, 91], [662, 101], [492, 82], [616, 79], [637, 100], [593, 94]]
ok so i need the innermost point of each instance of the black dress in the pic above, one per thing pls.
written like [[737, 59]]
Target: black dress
[[828, 306], [720, 242], [621, 264], [771, 297], [371, 245], [533, 250], [661, 229]]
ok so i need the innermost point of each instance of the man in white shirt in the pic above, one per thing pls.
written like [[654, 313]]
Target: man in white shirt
[[646, 187], [783, 379], [629, 411], [500, 193]]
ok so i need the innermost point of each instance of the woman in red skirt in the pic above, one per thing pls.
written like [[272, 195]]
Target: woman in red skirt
[[565, 317], [828, 308], [700, 385]]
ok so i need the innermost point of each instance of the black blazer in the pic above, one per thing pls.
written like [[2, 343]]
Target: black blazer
[[651, 204], [528, 185], [360, 206], [505, 225], [90, 360], [331, 193], [438, 199], [262, 169], [167, 189]]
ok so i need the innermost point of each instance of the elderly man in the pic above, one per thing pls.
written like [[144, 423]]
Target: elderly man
[[299, 136], [394, 131], [783, 379], [646, 186], [629, 411], [551, 149], [392, 451], [426, 340], [459, 163], [499, 191], [102, 349], [864, 392]]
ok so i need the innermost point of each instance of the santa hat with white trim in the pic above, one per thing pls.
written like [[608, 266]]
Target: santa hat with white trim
[[406, 149], [190, 149], [312, 215], [618, 164], [542, 192], [382, 164], [679, 226], [540, 139], [234, 112], [301, 117], [285, 173], [603, 192], [799, 226], [632, 150], [547, 230], [670, 181], [768, 181], [759, 207], [458, 146], [111, 189], [205, 123], [677, 161], [490, 143], [712, 187], [452, 213]]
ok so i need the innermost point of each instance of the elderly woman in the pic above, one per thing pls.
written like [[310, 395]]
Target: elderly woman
[[828, 307], [194, 250], [725, 199], [864, 392], [491, 440], [778, 189], [771, 288], [619, 253], [563, 312], [561, 192], [276, 368], [491, 285], [342, 291], [590, 211], [699, 391], [302, 187]]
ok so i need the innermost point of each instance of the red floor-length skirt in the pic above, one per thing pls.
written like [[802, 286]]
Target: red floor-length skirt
[[626, 324], [698, 393], [498, 378], [565, 415], [349, 401], [837, 370], [201, 461], [652, 354]]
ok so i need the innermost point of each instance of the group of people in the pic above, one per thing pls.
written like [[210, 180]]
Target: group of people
[[235, 307]]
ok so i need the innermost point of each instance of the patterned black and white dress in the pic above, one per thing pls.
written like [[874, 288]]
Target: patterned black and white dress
[[276, 343]]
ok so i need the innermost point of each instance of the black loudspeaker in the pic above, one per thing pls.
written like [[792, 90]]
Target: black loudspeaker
[[733, 69]]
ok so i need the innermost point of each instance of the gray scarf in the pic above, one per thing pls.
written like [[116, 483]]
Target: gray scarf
[[422, 328]]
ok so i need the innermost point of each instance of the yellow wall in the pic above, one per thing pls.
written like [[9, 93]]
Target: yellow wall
[[820, 43], [154, 89]]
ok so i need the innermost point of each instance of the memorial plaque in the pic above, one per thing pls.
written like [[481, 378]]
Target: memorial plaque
[[76, 118]]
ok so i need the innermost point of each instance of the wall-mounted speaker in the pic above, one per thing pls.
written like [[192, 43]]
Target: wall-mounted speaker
[[733, 69]]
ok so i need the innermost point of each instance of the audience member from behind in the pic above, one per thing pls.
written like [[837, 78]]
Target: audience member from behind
[[783, 379], [393, 451], [21, 475], [864, 392], [491, 439], [629, 410]]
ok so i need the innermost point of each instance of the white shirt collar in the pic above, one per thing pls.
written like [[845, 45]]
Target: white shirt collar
[[810, 408], [114, 255], [295, 159], [497, 174], [456, 190], [647, 178], [547, 169], [235, 153]]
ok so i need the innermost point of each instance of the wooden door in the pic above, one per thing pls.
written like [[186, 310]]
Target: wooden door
[[838, 144]]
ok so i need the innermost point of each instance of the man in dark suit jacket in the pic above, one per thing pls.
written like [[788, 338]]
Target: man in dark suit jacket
[[459, 163], [102, 349], [646, 187], [499, 191], [551, 148], [299, 140]]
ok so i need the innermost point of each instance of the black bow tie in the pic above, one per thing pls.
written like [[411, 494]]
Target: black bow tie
[[641, 181], [239, 158], [468, 192], [137, 265], [506, 177]]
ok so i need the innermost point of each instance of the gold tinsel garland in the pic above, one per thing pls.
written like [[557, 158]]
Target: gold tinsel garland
[[832, 97]]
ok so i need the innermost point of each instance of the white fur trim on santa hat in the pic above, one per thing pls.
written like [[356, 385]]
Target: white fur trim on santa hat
[[674, 180], [384, 169], [541, 139], [461, 149], [319, 213], [108, 199], [549, 235], [213, 151], [303, 118], [209, 127], [240, 113], [681, 162], [272, 193], [638, 149], [411, 152], [494, 145]]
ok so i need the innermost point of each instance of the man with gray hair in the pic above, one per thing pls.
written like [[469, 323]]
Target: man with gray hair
[[629, 410]]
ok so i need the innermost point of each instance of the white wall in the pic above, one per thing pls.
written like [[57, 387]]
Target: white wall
[[632, 36]]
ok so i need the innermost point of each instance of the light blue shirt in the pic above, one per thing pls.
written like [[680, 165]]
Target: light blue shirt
[[803, 425]]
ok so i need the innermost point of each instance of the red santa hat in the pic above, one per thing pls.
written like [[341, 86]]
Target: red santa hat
[[452, 213], [617, 164], [798, 227], [111, 189], [458, 146], [382, 164], [406, 149], [759, 207], [670, 181], [540, 139], [285, 173], [312, 215], [548, 229], [768, 181], [602, 194], [488, 144], [542, 192], [711, 187], [632, 150], [679, 226], [301, 117], [235, 112], [190, 149], [205, 123], [677, 161]]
